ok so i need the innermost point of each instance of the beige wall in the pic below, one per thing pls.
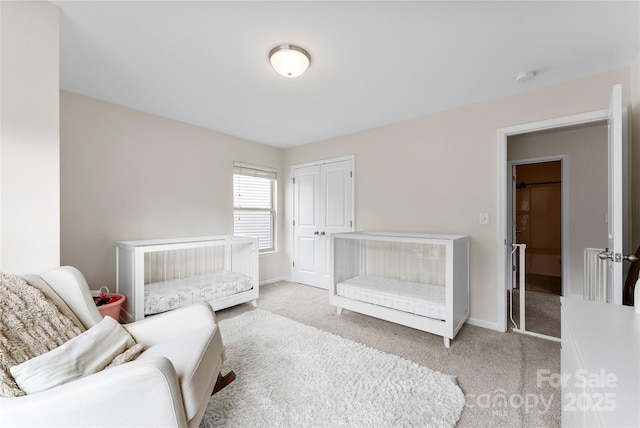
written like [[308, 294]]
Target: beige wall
[[586, 159], [29, 137], [129, 175], [436, 173]]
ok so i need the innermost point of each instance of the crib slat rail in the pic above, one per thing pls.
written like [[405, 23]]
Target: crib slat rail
[[595, 275]]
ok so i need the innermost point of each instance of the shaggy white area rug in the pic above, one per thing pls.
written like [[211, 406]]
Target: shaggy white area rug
[[293, 375]]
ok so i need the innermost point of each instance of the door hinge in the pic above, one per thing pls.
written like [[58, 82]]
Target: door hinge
[[351, 223], [294, 264], [294, 222], [294, 181], [351, 174]]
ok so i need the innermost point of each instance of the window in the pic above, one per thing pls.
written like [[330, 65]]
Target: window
[[254, 211]]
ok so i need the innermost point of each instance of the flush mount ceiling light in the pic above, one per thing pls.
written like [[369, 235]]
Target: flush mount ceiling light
[[289, 60]]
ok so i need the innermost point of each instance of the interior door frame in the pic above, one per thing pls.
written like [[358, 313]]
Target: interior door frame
[[618, 195], [564, 189], [504, 186], [325, 161]]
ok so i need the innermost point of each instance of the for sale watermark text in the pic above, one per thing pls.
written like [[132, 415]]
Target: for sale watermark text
[[582, 390]]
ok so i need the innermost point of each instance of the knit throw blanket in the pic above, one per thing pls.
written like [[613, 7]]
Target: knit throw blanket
[[30, 325]]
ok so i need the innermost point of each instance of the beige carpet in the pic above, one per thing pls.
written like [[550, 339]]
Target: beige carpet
[[542, 313], [496, 371]]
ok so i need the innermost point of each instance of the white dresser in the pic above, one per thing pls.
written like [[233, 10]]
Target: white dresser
[[600, 362]]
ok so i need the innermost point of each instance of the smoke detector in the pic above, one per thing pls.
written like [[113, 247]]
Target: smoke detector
[[525, 76]]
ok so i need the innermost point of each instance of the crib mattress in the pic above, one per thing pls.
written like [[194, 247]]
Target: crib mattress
[[420, 299], [168, 295]]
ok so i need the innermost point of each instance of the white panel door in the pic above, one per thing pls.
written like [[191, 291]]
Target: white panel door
[[617, 188], [337, 191], [307, 224], [323, 204]]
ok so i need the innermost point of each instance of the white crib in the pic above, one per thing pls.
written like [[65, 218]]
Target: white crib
[[164, 274], [417, 280]]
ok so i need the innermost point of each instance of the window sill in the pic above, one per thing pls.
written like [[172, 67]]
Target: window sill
[[268, 252]]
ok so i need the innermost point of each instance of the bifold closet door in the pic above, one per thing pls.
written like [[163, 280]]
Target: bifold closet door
[[323, 204]]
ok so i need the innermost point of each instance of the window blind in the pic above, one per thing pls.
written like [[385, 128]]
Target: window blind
[[253, 203]]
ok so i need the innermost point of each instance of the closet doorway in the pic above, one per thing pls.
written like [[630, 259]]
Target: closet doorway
[[323, 203], [538, 223], [537, 201]]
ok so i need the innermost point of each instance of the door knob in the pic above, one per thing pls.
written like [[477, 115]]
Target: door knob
[[322, 233], [605, 255], [316, 233], [617, 257]]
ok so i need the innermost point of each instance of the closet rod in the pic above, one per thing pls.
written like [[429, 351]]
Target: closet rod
[[522, 185]]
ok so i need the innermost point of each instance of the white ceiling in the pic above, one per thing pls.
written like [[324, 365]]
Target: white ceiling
[[373, 62]]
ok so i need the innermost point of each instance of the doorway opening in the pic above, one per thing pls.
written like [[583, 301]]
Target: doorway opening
[[512, 146], [538, 224], [557, 174]]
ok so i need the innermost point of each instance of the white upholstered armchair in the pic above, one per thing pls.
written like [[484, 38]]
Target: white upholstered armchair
[[169, 384]]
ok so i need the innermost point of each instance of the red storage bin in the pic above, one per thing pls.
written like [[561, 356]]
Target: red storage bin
[[112, 308]]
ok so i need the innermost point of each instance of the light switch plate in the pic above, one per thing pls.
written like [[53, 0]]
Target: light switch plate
[[484, 218]]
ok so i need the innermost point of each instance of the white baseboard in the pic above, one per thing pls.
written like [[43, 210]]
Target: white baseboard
[[272, 280], [484, 324]]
